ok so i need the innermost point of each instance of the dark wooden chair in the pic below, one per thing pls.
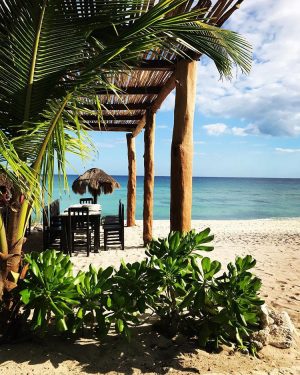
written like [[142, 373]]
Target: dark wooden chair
[[52, 228], [113, 219], [86, 200], [79, 228], [54, 207], [114, 229]]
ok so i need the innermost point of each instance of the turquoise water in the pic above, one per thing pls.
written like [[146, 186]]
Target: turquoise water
[[213, 197]]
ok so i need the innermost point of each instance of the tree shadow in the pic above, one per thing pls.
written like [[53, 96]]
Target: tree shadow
[[34, 242], [147, 352]]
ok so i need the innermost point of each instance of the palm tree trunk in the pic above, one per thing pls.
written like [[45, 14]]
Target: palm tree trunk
[[3, 255], [15, 240]]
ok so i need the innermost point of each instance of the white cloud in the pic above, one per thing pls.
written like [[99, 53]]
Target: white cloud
[[161, 126], [269, 97], [287, 150], [216, 129], [220, 128], [241, 132]]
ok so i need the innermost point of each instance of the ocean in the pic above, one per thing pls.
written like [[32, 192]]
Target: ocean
[[213, 197]]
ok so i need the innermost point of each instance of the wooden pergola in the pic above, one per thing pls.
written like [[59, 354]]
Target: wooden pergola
[[143, 90]]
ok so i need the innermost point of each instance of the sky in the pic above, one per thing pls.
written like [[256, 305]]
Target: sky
[[246, 127]]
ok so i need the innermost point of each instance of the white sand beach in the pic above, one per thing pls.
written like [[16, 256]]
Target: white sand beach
[[275, 243]]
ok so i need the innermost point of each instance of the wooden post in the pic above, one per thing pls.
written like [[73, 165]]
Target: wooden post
[[148, 176], [131, 185], [182, 146]]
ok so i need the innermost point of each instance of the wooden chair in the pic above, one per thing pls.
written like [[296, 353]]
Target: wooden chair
[[86, 201], [113, 219], [79, 228], [114, 230], [52, 229]]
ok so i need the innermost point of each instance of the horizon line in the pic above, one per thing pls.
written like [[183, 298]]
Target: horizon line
[[253, 177]]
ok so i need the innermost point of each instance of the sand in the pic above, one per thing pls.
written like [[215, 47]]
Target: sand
[[274, 243]]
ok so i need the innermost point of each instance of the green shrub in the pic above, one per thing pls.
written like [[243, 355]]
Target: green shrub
[[184, 289], [227, 307], [50, 289], [92, 287], [172, 270]]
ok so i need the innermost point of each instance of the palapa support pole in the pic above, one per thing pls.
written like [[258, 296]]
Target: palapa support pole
[[131, 185], [182, 146], [148, 176]]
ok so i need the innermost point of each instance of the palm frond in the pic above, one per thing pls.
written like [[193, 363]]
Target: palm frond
[[17, 171], [51, 50]]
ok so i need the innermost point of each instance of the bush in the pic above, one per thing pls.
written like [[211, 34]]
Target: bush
[[181, 287]]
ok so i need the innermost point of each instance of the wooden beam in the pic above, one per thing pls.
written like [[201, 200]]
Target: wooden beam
[[118, 106], [113, 128], [148, 176], [164, 92], [94, 117], [182, 146], [157, 65], [145, 90], [131, 185], [229, 12], [125, 107], [156, 104], [140, 126]]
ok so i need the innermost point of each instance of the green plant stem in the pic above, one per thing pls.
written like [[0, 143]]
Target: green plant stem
[[3, 239]]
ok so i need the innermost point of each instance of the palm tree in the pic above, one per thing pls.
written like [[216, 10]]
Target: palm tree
[[55, 52]]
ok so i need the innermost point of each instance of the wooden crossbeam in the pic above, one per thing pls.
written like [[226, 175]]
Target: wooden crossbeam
[[129, 128], [156, 104], [157, 65], [125, 107], [122, 117], [145, 90], [113, 117], [118, 106], [229, 12]]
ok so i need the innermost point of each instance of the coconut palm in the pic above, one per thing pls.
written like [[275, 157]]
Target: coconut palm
[[54, 53]]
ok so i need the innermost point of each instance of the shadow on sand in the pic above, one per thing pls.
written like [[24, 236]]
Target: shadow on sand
[[147, 352]]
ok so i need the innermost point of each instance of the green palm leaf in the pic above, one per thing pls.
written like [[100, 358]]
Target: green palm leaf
[[55, 53]]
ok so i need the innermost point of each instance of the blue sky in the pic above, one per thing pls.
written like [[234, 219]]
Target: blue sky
[[246, 127]]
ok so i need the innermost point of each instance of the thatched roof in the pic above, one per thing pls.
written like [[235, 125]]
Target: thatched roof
[[96, 182], [147, 85]]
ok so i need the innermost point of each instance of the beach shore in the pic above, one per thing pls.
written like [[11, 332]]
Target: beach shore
[[275, 243]]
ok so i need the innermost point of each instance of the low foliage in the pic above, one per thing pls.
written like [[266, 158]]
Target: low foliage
[[181, 287]]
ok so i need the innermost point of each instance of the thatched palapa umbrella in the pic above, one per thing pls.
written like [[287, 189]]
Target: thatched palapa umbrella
[[96, 181]]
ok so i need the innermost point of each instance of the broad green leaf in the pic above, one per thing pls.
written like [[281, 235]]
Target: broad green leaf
[[120, 325]]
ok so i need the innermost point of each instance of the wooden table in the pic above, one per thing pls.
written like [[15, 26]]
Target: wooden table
[[95, 220]]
